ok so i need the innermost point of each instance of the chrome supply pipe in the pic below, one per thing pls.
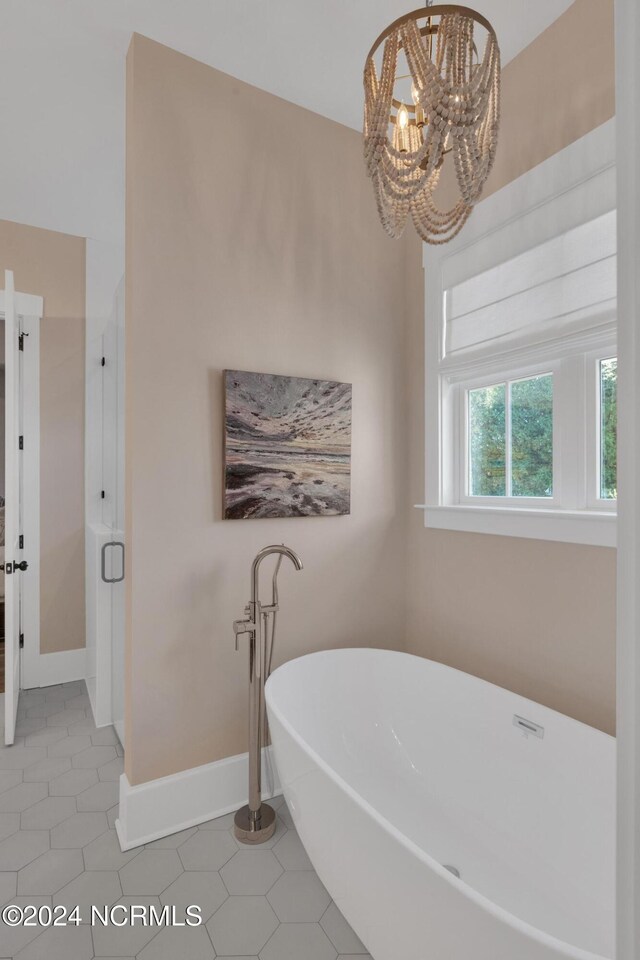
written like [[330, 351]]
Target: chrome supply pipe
[[256, 822]]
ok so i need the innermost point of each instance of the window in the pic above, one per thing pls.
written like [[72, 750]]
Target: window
[[608, 428], [487, 441], [520, 403], [538, 435], [510, 438]]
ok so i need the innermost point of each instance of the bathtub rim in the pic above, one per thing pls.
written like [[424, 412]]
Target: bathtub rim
[[564, 948]]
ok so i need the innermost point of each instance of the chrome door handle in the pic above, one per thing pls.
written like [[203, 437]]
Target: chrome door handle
[[103, 561]]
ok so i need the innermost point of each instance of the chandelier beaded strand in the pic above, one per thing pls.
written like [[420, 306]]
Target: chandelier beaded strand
[[455, 113]]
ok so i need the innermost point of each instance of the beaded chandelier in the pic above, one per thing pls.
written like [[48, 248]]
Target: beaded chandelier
[[433, 99]]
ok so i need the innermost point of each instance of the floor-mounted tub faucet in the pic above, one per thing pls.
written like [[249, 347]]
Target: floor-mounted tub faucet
[[256, 822]]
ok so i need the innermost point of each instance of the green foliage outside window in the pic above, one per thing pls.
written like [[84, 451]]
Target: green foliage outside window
[[531, 447], [487, 441], [608, 428], [532, 437]]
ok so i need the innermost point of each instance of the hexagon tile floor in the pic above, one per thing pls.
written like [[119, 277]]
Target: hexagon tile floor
[[58, 805]]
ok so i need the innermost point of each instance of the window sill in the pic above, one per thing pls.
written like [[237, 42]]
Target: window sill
[[567, 526]]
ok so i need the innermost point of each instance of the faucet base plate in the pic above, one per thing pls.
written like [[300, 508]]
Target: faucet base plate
[[248, 830]]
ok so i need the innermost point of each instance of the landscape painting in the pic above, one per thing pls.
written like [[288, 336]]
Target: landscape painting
[[287, 446]]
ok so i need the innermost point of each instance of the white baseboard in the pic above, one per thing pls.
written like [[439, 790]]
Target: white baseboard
[[60, 667], [161, 807]]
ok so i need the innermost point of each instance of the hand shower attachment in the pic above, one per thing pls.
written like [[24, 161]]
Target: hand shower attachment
[[256, 822], [270, 642], [274, 603]]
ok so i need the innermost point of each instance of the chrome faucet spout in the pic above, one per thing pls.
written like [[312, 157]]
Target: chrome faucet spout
[[275, 548]]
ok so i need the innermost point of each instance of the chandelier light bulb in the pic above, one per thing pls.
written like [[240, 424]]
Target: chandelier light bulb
[[415, 96], [401, 139]]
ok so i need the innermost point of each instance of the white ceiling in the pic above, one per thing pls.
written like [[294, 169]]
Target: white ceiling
[[62, 81]]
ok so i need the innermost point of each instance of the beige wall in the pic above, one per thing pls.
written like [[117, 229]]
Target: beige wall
[[52, 265], [252, 242], [536, 617], [557, 89]]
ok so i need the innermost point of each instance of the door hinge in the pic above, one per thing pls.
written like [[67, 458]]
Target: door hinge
[[22, 639], [103, 362], [21, 337], [21, 542], [21, 443], [102, 494]]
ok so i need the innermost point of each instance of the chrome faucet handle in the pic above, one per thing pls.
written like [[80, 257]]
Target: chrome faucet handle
[[242, 626]]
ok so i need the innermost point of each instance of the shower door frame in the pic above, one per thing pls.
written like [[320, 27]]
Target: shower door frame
[[627, 42]]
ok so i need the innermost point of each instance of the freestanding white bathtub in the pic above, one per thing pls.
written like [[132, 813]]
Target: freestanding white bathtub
[[395, 767]]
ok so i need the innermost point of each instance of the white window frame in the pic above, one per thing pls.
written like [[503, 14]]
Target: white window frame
[[572, 187]]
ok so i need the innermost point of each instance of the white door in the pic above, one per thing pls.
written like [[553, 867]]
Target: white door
[[13, 507]]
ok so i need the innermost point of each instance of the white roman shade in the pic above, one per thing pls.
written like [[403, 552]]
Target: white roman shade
[[561, 287]]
